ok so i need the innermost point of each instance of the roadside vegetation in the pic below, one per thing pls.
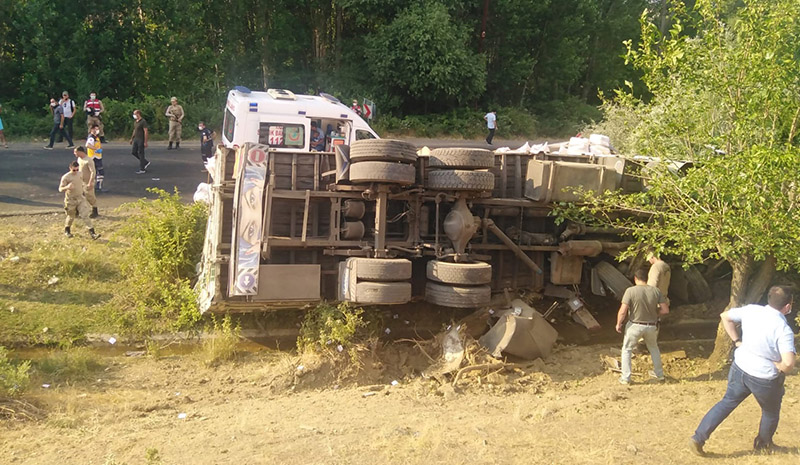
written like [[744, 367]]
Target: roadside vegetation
[[55, 291]]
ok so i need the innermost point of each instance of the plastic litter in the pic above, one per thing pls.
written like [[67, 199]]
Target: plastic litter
[[203, 193], [395, 383], [339, 348], [112, 340], [387, 331], [14, 259], [181, 416], [52, 280], [46, 386]]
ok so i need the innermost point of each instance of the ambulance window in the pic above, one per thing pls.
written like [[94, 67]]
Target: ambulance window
[[282, 135], [230, 125], [362, 134]]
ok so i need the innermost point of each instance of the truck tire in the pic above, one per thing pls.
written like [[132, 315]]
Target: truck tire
[[613, 279], [382, 171], [446, 295], [383, 293], [460, 180], [464, 158], [382, 150], [459, 273], [383, 269]]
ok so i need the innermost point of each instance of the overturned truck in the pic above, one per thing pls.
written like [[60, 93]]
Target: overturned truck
[[376, 223]]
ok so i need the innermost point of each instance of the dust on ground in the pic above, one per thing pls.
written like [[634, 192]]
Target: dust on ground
[[275, 407]]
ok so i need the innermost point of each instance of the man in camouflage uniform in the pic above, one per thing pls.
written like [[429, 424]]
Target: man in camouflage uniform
[[88, 173], [175, 114], [75, 203]]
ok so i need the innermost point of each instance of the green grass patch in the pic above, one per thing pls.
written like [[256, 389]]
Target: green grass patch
[[68, 366], [136, 280], [221, 343], [14, 377]]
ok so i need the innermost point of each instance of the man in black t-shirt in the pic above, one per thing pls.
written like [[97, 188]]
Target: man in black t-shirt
[[139, 140], [206, 141]]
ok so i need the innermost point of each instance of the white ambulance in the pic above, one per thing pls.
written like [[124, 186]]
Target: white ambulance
[[283, 121]]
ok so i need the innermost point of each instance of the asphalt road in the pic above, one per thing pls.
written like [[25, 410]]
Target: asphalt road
[[29, 175]]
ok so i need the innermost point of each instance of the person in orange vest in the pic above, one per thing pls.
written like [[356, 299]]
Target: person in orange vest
[[93, 107]]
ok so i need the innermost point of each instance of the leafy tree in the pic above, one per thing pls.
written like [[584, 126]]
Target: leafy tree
[[424, 55], [727, 97]]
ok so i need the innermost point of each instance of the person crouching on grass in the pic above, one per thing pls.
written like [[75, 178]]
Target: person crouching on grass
[[75, 203]]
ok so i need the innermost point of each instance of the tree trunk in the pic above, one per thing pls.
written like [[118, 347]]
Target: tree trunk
[[760, 281], [742, 268]]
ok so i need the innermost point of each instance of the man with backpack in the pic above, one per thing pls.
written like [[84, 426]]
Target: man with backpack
[[68, 108]]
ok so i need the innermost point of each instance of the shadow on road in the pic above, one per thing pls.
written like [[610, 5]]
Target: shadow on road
[[28, 203]]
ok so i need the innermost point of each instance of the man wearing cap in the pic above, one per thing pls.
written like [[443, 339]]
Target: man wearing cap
[[764, 354], [642, 305], [93, 107], [74, 200], [68, 107], [175, 114]]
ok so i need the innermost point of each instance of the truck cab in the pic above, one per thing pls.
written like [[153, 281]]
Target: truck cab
[[282, 120]]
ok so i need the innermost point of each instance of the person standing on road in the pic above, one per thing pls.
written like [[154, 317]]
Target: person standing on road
[[68, 106], [764, 354], [88, 176], [139, 140], [2, 136], [642, 305], [58, 125], [94, 150], [175, 114], [206, 141], [491, 124], [93, 107], [74, 200]]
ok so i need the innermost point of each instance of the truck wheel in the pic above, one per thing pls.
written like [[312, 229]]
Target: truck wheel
[[383, 293], [382, 150], [383, 171], [465, 158], [460, 180], [383, 269], [459, 273], [613, 279], [457, 296]]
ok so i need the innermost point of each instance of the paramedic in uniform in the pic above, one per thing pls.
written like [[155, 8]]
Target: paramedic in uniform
[[93, 107], [74, 200], [175, 114], [88, 175], [94, 149]]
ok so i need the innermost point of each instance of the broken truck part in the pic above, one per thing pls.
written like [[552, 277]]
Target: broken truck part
[[371, 222]]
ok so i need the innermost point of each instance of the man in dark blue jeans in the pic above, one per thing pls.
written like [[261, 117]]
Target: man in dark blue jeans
[[764, 354]]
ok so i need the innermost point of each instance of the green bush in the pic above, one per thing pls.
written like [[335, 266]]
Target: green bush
[[464, 123], [221, 344], [564, 118], [14, 378], [166, 242], [327, 326]]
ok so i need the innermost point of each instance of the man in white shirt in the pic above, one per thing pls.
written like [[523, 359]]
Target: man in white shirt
[[764, 354], [69, 112], [491, 123]]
